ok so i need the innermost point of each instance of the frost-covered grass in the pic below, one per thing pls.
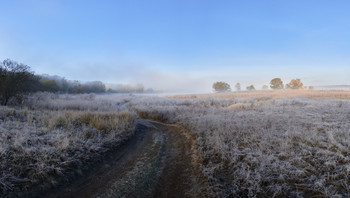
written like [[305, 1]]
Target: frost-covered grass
[[263, 146], [253, 146], [42, 143]]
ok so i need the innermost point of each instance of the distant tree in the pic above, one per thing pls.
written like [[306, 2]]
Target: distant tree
[[265, 87], [64, 86], [93, 87], [295, 84], [49, 86], [128, 88], [15, 80], [74, 86], [276, 83], [221, 87], [311, 87], [251, 88], [238, 87]]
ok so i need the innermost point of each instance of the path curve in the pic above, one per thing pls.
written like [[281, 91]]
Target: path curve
[[156, 162]]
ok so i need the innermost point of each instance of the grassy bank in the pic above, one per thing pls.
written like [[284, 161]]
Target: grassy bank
[[41, 145]]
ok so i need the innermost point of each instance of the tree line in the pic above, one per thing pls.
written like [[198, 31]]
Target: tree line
[[275, 83], [17, 79]]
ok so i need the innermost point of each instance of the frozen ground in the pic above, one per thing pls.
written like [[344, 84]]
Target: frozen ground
[[259, 144]]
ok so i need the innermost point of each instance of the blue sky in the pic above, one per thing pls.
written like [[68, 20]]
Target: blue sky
[[180, 44]]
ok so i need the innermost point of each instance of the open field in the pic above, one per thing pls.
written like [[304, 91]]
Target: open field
[[263, 146], [285, 93], [163, 99], [266, 146], [256, 144]]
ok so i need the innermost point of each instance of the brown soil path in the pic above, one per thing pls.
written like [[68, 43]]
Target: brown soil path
[[160, 147], [176, 179]]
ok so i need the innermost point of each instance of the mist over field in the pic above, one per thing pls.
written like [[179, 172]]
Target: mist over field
[[178, 98]]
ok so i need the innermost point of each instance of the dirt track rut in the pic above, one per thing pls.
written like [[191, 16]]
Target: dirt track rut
[[156, 162]]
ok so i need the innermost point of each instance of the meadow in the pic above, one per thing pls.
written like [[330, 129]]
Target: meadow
[[52, 138], [247, 144], [267, 144]]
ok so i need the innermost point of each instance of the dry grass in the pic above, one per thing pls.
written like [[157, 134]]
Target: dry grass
[[39, 147], [106, 122], [340, 94], [265, 146], [257, 144]]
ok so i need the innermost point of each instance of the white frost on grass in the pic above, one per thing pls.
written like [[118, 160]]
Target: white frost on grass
[[257, 146], [263, 147]]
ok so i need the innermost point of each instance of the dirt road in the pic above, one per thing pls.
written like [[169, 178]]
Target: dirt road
[[156, 162]]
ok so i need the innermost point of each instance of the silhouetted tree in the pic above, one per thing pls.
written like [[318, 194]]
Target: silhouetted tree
[[295, 84], [276, 83], [15, 80], [238, 87], [221, 87], [251, 88]]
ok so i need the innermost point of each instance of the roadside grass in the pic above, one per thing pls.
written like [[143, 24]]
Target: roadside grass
[[102, 121], [41, 147]]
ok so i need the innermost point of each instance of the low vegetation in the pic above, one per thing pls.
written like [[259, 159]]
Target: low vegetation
[[288, 143], [264, 146], [42, 146]]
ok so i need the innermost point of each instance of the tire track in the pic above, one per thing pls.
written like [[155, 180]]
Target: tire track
[[156, 162]]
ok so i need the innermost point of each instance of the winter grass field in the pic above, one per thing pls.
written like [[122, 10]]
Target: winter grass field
[[266, 146], [51, 138], [248, 144]]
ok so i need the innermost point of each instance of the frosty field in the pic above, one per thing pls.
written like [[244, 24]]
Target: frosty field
[[266, 147], [257, 144]]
